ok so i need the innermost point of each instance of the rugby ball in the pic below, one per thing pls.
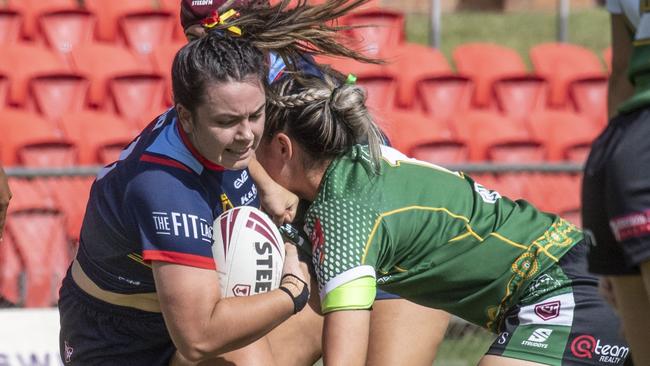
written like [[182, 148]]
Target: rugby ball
[[248, 251]]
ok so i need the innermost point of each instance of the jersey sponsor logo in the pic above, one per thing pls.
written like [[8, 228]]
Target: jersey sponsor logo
[[317, 238], [538, 338], [487, 195], [239, 182], [587, 346], [631, 226], [249, 197], [548, 310], [182, 225]]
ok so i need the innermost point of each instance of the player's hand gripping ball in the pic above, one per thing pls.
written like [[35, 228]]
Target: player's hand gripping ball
[[248, 251]]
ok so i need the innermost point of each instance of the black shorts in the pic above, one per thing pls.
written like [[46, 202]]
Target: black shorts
[[616, 195], [94, 332], [562, 320]]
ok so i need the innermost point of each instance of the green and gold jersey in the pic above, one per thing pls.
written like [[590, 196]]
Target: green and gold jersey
[[637, 14], [430, 235]]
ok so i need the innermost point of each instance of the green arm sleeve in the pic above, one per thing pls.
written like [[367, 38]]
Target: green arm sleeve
[[354, 295]]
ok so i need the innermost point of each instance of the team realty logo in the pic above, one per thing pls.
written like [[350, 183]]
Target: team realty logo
[[587, 346], [548, 310], [538, 338]]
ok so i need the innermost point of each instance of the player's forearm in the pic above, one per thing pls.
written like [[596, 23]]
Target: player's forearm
[[236, 322]]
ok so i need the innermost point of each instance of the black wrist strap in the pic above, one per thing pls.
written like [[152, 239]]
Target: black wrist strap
[[301, 300]]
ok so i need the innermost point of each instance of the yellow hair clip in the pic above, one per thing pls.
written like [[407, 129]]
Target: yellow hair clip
[[215, 19]]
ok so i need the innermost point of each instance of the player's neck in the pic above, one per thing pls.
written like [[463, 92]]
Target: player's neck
[[310, 183]]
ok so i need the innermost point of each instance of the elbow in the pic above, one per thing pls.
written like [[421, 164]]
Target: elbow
[[193, 353], [200, 350]]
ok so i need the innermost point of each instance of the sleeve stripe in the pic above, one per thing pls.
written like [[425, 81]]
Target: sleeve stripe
[[192, 260], [347, 276]]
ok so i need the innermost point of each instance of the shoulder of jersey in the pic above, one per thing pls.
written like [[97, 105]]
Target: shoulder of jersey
[[248, 251]]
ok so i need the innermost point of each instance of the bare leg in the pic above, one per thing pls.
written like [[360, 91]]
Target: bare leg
[[633, 306], [492, 360], [397, 325], [255, 354]]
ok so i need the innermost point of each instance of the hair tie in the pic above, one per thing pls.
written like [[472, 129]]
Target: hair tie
[[351, 80], [215, 19]]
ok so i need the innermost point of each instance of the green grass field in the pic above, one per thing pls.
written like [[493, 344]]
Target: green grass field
[[520, 31]]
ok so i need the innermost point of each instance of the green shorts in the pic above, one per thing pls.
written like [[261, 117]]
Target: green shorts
[[562, 320]]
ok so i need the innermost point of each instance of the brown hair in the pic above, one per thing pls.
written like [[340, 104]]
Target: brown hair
[[326, 116], [291, 32]]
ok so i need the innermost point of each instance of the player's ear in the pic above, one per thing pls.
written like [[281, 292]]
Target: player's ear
[[185, 118], [284, 145]]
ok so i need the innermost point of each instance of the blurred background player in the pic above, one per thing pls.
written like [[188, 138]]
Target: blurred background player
[[616, 186]]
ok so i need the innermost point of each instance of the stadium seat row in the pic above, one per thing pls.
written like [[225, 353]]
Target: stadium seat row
[[91, 137], [112, 78], [477, 136], [487, 76]]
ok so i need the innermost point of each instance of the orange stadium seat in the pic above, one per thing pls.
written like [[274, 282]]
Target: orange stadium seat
[[99, 136], [554, 193], [445, 96], [376, 28], [146, 30], [561, 64], [10, 23], [65, 30], [55, 95], [4, 91], [138, 98], [101, 62], [32, 141], [494, 137], [589, 98], [33, 216], [10, 269], [173, 7], [379, 82], [512, 185], [45, 261], [33, 9], [411, 130], [567, 135], [163, 57], [71, 196], [111, 11], [517, 97], [411, 62], [22, 62], [486, 63]]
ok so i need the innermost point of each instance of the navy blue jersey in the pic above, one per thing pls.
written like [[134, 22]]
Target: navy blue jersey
[[156, 203]]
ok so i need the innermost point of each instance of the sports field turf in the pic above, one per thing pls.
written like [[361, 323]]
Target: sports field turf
[[520, 31]]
